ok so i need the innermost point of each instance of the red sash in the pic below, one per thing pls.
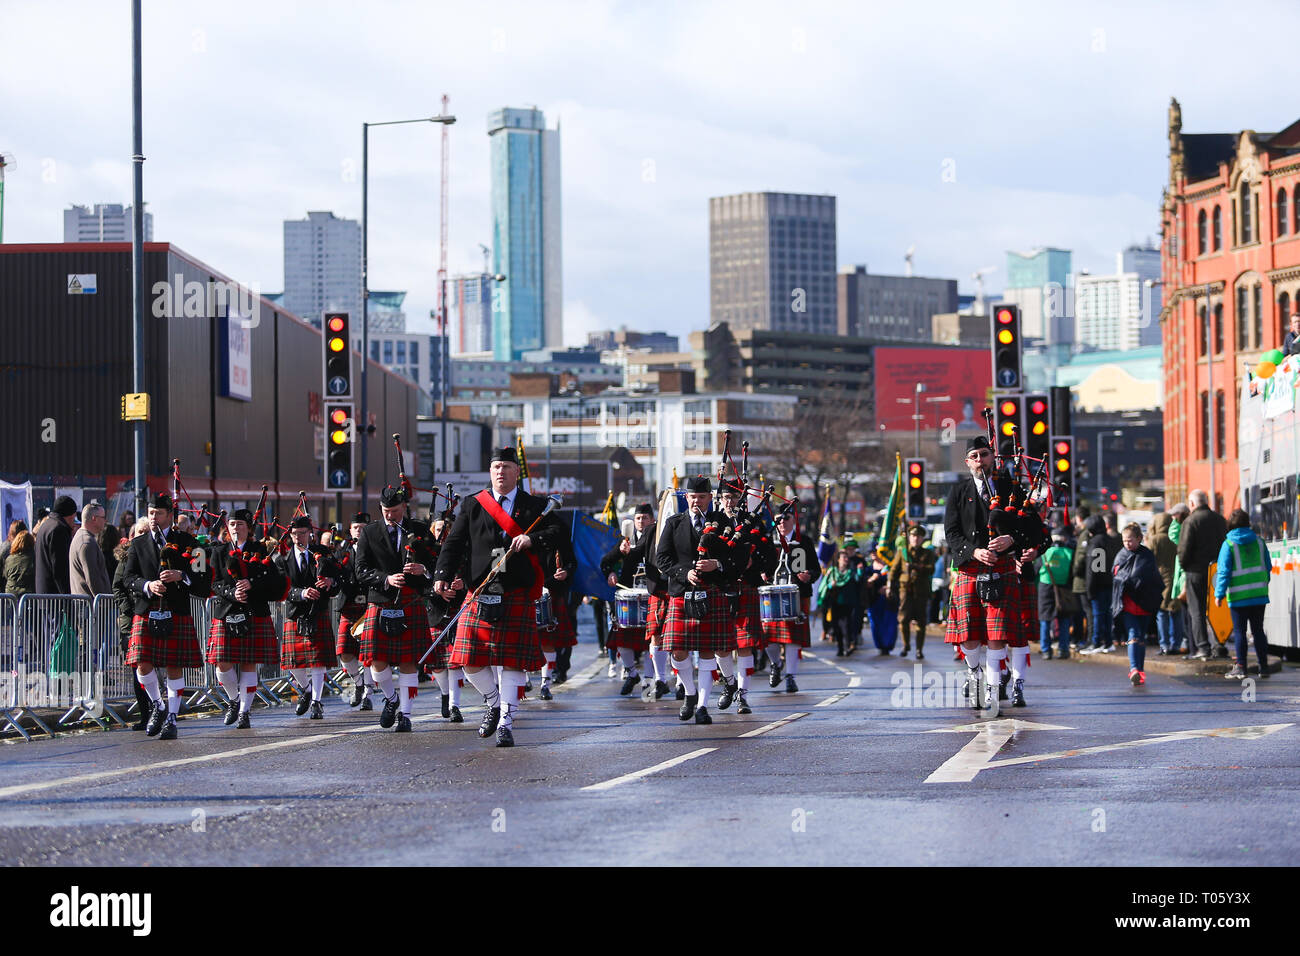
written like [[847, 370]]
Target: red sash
[[511, 527]]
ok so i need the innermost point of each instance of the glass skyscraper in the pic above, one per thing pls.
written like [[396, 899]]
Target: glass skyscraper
[[525, 158]]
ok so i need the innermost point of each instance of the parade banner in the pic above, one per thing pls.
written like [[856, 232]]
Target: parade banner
[[1279, 388], [592, 540], [15, 504]]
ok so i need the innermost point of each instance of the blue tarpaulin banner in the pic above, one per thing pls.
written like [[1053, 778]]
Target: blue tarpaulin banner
[[592, 540]]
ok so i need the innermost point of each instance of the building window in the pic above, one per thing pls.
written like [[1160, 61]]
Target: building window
[[1247, 222], [1220, 425], [1205, 425], [1218, 328], [1282, 222], [1242, 320], [1203, 337], [1259, 316], [388, 353], [1283, 315], [1201, 238], [401, 353], [1218, 227]]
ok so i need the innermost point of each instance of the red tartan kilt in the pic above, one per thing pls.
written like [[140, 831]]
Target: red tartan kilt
[[656, 615], [511, 643], [633, 638], [565, 632], [748, 620], [716, 634], [970, 619], [315, 651], [790, 632], [179, 649], [259, 648], [348, 617], [437, 661], [404, 648]]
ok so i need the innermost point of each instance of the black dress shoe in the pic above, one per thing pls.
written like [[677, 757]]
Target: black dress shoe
[[317, 711], [629, 684], [505, 738], [545, 692], [1018, 694], [403, 724], [490, 721], [702, 716], [304, 702], [156, 718], [168, 729], [357, 691], [366, 704], [661, 689], [681, 692], [243, 722], [790, 686], [455, 716], [232, 711], [446, 702], [729, 688], [774, 678], [389, 713], [743, 707], [688, 709], [1002, 686]]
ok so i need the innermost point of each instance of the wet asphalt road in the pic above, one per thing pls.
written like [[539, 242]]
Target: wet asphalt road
[[847, 781]]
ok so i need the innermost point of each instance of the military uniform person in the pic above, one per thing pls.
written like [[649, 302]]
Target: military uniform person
[[308, 645], [910, 576], [804, 571], [242, 635], [499, 627], [164, 569]]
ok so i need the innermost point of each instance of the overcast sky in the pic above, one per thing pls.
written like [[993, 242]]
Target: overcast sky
[[1048, 118]]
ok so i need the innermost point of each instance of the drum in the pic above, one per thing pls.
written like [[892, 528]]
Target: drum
[[632, 606], [779, 602], [545, 616]]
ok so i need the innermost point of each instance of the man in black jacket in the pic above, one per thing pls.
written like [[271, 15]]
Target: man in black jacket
[[1199, 541], [630, 557], [308, 646], [499, 627], [242, 636], [53, 545], [804, 570], [350, 601], [164, 569], [690, 556], [390, 562], [1104, 545]]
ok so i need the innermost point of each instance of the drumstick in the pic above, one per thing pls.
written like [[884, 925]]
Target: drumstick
[[551, 504]]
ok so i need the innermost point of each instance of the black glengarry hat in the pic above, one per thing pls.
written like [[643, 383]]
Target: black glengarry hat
[[505, 454], [700, 484]]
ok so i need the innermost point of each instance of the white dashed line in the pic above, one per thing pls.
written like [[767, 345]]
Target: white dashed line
[[774, 725], [637, 775], [830, 700]]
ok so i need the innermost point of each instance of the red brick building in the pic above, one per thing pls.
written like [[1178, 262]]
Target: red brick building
[[1230, 218]]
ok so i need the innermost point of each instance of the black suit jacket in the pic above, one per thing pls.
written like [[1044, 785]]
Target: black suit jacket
[[142, 567], [296, 604], [375, 560], [349, 589], [268, 582], [679, 550], [640, 552], [475, 541], [966, 520], [803, 557]]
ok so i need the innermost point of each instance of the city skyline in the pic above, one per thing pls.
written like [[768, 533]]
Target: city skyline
[[673, 121]]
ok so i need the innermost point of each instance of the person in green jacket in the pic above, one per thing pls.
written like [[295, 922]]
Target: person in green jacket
[[20, 566], [1245, 567], [1054, 578], [837, 596]]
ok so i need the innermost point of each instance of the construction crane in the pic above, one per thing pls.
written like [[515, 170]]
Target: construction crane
[[7, 161]]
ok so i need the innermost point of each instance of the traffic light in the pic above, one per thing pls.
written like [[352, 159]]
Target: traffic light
[[1008, 418], [336, 343], [1038, 427], [340, 444], [914, 469], [1061, 469], [1006, 348]]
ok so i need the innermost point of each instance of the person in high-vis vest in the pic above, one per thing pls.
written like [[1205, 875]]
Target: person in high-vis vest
[[1243, 575]]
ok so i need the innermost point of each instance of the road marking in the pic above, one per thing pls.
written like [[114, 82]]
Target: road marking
[[583, 677], [186, 761], [829, 663], [638, 774], [774, 725], [830, 700], [990, 736], [855, 682]]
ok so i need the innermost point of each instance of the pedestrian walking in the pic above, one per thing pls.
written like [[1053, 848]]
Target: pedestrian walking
[[1169, 619], [911, 576], [836, 598], [1104, 545], [1199, 541], [1245, 567], [1136, 592]]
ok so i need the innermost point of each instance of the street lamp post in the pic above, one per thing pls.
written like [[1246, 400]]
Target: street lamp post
[[916, 412], [365, 278]]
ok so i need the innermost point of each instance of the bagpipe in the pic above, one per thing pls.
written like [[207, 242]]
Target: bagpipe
[[1029, 499]]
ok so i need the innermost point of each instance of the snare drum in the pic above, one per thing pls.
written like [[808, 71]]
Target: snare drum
[[779, 602], [545, 616], [632, 607]]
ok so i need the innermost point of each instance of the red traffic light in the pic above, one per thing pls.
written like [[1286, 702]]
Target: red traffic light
[[338, 416], [1038, 407], [1008, 408], [1062, 447], [336, 323], [914, 467], [1005, 316]]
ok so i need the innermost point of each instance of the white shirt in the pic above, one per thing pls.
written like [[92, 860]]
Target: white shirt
[[509, 504]]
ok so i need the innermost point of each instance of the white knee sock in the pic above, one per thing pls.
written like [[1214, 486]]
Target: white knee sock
[[744, 668], [485, 682], [993, 658], [684, 675], [383, 680], [660, 659], [511, 682], [175, 687], [455, 680], [628, 657], [548, 668], [791, 659], [318, 683], [974, 658], [706, 680], [774, 654], [410, 684], [441, 678], [1019, 663], [355, 671], [726, 665], [248, 689], [229, 682], [149, 682]]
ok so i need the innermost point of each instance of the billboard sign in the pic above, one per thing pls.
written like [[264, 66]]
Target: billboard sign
[[964, 375]]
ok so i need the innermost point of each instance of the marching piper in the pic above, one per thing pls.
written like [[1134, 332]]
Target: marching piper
[[621, 566], [390, 562], [242, 635], [696, 563], [164, 569], [759, 564], [559, 565], [804, 570], [350, 601], [450, 679], [308, 645], [499, 625]]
